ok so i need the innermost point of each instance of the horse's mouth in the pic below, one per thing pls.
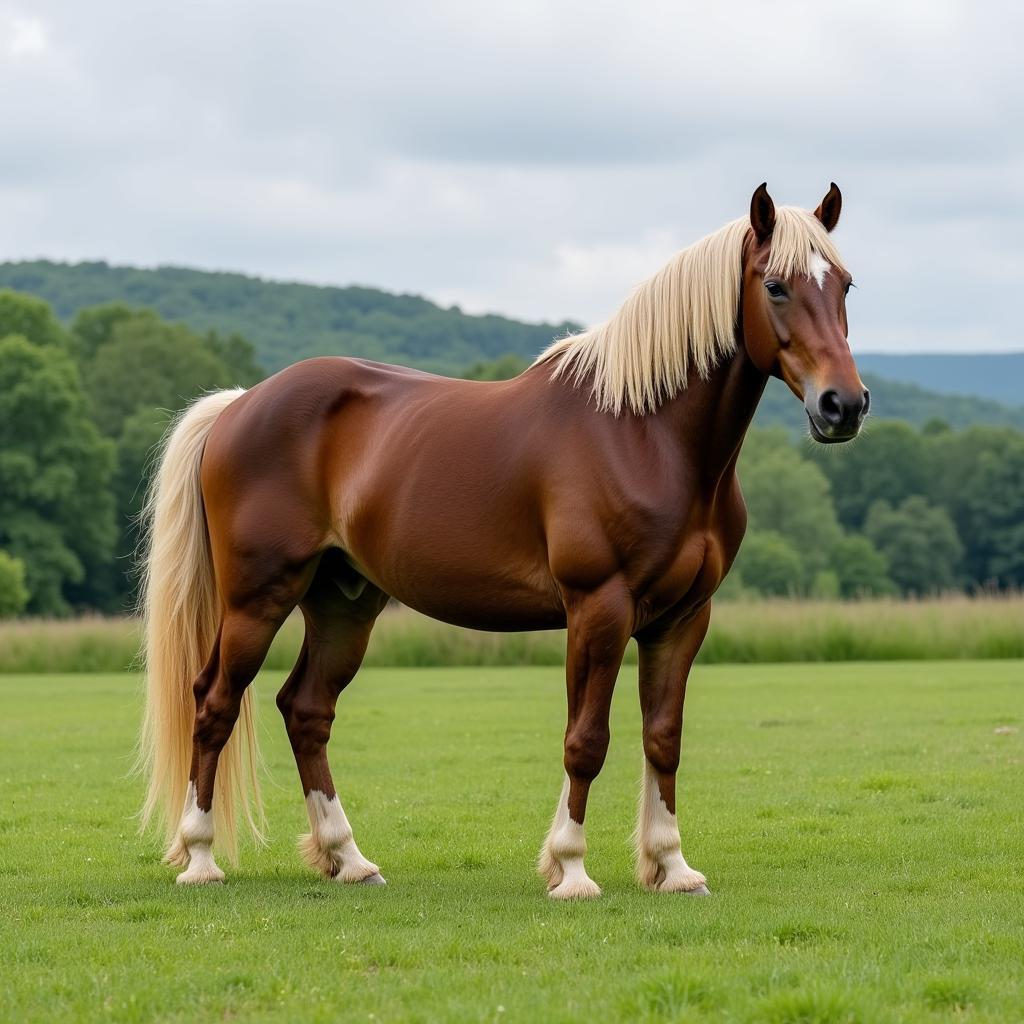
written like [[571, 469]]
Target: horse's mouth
[[828, 435]]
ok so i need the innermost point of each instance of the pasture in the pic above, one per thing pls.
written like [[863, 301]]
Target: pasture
[[859, 824]]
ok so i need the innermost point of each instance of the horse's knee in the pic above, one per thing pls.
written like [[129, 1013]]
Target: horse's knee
[[585, 751]]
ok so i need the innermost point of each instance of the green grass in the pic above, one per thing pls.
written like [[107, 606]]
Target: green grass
[[860, 826], [742, 632]]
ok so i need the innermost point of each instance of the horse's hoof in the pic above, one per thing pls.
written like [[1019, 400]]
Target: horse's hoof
[[686, 883], [200, 878], [577, 889], [202, 868], [375, 879]]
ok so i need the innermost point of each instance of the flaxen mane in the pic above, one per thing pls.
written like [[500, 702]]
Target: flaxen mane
[[684, 317]]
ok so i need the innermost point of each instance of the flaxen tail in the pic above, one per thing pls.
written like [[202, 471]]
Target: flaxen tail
[[182, 614]]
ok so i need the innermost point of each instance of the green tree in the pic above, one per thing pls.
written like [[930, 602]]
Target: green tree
[[825, 585], [890, 462], [503, 368], [56, 512], [149, 364], [13, 592], [771, 565], [977, 480], [139, 361], [238, 357], [136, 450], [936, 427], [919, 542], [995, 517], [861, 569], [94, 326], [761, 442], [30, 318], [790, 496], [138, 370]]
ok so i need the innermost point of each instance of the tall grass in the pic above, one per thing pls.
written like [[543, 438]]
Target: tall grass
[[741, 631]]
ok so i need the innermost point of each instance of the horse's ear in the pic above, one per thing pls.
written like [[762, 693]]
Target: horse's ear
[[762, 212], [828, 209]]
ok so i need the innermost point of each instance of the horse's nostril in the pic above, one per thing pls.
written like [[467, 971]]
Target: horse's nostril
[[867, 402], [831, 408]]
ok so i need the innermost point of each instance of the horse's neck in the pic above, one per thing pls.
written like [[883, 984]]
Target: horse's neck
[[710, 417]]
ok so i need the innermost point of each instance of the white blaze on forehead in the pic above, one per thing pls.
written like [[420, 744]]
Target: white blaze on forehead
[[818, 267]]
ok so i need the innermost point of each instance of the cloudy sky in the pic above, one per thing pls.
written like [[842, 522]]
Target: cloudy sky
[[531, 158]]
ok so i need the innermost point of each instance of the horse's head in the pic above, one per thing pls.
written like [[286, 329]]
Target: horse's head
[[794, 312]]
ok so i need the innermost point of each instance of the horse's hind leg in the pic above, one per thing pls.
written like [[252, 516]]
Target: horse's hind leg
[[251, 619], [241, 645], [337, 631]]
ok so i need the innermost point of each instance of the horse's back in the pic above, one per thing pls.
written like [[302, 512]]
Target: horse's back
[[432, 486]]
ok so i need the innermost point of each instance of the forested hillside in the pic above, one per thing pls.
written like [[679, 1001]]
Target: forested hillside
[[288, 322], [997, 376]]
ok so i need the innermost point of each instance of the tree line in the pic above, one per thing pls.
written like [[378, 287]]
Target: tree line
[[902, 511], [286, 322]]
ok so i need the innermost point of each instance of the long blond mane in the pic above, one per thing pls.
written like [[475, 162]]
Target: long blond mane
[[683, 318]]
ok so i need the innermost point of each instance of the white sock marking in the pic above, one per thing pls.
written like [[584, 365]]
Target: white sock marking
[[196, 833], [333, 833], [662, 864], [563, 853]]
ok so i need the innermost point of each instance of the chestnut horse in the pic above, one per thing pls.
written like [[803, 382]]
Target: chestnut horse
[[596, 491]]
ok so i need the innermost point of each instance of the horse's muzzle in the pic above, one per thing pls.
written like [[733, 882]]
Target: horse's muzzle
[[836, 416]]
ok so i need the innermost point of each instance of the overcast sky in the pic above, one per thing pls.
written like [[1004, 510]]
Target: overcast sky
[[531, 158]]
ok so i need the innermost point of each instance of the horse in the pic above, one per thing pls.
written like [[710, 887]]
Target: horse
[[595, 492]]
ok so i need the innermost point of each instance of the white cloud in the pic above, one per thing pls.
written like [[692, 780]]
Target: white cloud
[[536, 159], [21, 36]]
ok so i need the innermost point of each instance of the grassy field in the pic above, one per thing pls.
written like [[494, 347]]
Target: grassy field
[[860, 826], [742, 632]]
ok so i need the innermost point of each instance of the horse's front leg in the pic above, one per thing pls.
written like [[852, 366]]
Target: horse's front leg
[[666, 655], [599, 625]]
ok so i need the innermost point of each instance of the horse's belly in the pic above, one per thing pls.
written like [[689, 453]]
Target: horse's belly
[[452, 546], [469, 585], [500, 614], [479, 601]]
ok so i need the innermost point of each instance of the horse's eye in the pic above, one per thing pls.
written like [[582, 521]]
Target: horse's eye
[[775, 290], [849, 285]]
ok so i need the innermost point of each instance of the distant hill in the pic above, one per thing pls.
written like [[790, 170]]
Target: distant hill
[[287, 322], [998, 376], [893, 400]]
